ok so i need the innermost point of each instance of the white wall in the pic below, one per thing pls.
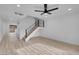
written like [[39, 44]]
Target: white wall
[[62, 28], [0, 29], [3, 28]]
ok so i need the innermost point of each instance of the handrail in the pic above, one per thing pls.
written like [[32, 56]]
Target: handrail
[[35, 25], [30, 26]]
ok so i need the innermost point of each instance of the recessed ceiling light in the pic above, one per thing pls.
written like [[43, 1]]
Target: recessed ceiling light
[[18, 5], [69, 9]]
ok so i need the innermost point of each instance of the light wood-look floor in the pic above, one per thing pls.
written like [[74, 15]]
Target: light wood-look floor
[[67, 48], [36, 46]]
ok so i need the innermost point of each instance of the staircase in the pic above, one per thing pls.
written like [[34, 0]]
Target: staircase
[[33, 27]]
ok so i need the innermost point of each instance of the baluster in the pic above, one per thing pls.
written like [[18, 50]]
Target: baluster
[[43, 23], [38, 23], [25, 33]]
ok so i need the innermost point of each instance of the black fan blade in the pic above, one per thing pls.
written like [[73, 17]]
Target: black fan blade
[[21, 14], [45, 6], [39, 11], [42, 13], [53, 9], [49, 13]]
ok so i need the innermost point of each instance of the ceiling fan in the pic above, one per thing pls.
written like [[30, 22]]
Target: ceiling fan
[[46, 10]]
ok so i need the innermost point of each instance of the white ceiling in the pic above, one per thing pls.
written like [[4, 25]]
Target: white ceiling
[[7, 10]]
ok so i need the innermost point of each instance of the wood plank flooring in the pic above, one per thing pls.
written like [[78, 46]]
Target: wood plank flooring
[[36, 46]]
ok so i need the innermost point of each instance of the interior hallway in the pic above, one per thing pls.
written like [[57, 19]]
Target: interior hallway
[[35, 46]]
